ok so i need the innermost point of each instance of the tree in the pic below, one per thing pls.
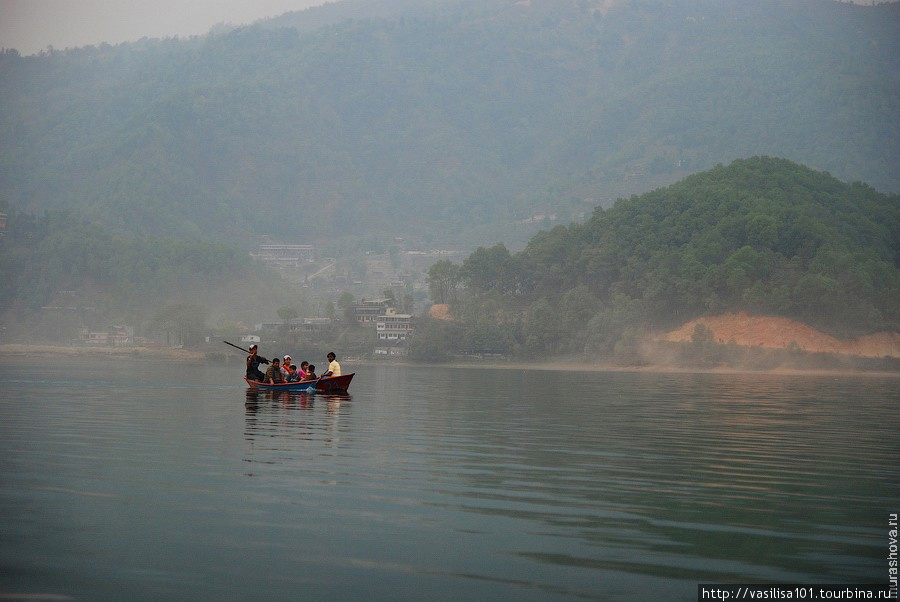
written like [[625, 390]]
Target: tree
[[542, 328], [610, 324], [433, 341], [345, 300], [576, 309], [492, 269], [182, 323], [443, 278], [287, 313]]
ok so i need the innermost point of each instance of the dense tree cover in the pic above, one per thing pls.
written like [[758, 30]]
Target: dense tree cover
[[452, 119], [59, 271], [762, 235], [443, 278], [184, 324]]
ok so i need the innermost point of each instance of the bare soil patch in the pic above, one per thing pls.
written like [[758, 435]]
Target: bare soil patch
[[780, 333]]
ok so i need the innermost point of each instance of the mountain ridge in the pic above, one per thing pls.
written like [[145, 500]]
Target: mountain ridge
[[456, 124]]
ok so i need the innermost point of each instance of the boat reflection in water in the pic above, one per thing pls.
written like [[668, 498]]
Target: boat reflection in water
[[298, 399], [280, 425]]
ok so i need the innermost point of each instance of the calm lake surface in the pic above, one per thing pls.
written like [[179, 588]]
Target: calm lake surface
[[125, 479]]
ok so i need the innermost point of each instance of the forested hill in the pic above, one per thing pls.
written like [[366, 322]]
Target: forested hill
[[762, 235], [58, 273], [446, 122]]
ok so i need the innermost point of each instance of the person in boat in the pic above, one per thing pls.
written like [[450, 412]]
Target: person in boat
[[310, 373], [273, 373], [334, 368], [304, 366], [253, 362], [293, 375], [286, 367]]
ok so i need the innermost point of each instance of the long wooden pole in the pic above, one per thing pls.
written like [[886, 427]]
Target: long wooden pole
[[261, 358]]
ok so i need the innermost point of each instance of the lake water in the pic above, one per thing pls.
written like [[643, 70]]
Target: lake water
[[126, 479]]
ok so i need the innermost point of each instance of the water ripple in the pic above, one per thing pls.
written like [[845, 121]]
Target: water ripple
[[443, 483]]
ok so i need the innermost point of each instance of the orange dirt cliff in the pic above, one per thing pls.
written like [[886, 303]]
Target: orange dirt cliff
[[440, 311], [779, 333]]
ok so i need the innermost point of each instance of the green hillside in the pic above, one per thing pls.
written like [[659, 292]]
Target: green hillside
[[452, 122], [762, 235], [60, 272]]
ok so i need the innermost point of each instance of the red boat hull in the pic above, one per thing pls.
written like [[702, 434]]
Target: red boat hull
[[332, 384]]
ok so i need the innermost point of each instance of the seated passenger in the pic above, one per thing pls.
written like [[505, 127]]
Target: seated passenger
[[334, 368], [273, 372], [311, 373], [285, 367]]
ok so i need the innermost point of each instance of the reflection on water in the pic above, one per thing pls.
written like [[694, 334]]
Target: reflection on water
[[437, 483], [277, 420]]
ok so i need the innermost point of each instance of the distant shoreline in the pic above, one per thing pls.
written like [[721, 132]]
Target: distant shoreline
[[182, 355], [156, 353], [653, 369]]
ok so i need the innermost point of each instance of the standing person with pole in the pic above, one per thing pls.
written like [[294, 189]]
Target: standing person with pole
[[253, 362]]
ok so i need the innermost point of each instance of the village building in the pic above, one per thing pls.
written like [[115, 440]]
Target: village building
[[367, 312], [284, 256], [392, 326], [296, 326], [114, 336], [392, 330]]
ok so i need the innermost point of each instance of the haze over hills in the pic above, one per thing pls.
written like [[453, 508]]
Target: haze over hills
[[136, 177], [449, 121]]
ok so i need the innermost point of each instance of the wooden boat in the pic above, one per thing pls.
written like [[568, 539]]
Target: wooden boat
[[331, 384]]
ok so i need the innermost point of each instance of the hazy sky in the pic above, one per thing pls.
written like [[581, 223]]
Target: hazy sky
[[30, 26]]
